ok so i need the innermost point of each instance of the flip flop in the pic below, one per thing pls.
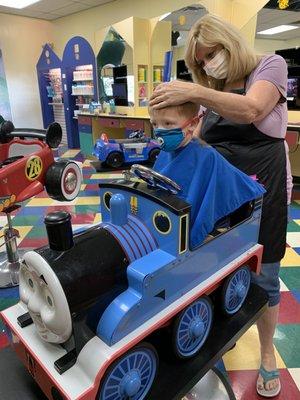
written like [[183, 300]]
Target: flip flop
[[268, 376]]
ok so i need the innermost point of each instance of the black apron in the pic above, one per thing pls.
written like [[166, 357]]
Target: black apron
[[255, 153]]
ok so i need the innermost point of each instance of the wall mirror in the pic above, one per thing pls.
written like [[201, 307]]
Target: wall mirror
[[115, 70], [180, 23]]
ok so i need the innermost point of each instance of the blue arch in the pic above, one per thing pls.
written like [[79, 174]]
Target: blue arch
[[48, 60], [77, 52]]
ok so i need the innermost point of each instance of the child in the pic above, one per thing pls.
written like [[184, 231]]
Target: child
[[213, 186]]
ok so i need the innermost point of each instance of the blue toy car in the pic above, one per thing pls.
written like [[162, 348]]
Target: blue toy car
[[116, 152]]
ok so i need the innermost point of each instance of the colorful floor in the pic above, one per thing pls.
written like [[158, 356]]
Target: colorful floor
[[242, 362]]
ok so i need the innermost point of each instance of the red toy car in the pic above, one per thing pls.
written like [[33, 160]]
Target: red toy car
[[27, 165]]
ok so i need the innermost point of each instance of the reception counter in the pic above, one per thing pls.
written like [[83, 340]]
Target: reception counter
[[116, 126]]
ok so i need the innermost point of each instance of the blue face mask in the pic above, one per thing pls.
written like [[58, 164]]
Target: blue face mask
[[169, 139]]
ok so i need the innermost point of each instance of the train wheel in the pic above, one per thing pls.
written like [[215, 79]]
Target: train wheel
[[192, 327], [235, 290], [131, 376]]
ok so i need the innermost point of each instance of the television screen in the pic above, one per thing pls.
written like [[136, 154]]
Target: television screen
[[120, 94], [120, 74], [292, 88], [119, 90], [183, 72]]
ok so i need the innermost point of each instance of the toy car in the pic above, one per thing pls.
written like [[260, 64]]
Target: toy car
[[88, 303], [27, 165], [116, 152]]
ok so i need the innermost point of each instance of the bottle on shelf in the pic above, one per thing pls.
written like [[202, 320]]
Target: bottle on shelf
[[112, 106]]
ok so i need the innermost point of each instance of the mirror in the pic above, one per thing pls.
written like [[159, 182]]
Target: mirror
[[180, 23], [115, 70]]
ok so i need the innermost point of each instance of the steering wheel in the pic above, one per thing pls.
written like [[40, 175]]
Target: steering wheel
[[155, 179]]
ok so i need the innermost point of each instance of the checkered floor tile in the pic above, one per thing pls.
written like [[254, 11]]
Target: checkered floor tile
[[241, 362]]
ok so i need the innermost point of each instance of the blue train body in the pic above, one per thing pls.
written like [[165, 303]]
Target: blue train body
[[171, 269], [118, 282]]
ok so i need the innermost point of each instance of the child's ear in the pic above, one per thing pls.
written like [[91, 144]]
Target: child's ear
[[192, 126]]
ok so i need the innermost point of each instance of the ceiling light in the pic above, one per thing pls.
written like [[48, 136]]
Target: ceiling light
[[17, 3], [278, 29], [164, 16]]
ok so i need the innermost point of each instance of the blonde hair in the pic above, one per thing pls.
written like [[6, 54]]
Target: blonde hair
[[210, 31], [187, 110]]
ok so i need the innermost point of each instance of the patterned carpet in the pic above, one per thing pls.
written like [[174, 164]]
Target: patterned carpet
[[241, 362]]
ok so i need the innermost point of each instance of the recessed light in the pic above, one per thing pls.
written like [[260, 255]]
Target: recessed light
[[278, 29], [17, 3]]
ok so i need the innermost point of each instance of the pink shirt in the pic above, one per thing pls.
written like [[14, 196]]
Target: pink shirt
[[273, 68]]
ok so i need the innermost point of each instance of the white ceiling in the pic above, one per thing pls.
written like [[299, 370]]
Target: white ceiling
[[267, 18], [52, 9]]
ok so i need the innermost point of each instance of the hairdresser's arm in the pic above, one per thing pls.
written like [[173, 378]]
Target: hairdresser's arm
[[259, 101]]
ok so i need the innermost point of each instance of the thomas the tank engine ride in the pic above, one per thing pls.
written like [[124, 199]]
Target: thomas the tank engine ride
[[89, 300]]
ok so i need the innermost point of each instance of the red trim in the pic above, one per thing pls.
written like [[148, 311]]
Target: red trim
[[133, 240], [134, 230], [22, 355], [253, 259], [144, 233], [106, 226], [90, 393], [125, 240]]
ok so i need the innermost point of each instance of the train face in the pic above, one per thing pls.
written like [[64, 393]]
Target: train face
[[42, 293], [57, 285]]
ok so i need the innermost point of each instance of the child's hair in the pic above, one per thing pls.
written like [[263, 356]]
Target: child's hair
[[188, 110]]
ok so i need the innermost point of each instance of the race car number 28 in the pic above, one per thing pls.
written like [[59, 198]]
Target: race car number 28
[[33, 168]]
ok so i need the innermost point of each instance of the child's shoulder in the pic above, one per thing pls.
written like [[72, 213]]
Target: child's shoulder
[[200, 145]]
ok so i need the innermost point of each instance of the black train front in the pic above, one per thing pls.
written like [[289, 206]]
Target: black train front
[[63, 281]]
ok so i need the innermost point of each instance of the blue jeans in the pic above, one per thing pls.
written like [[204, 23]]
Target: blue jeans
[[268, 279]]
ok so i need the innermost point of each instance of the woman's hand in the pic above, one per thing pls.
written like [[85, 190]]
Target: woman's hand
[[173, 93]]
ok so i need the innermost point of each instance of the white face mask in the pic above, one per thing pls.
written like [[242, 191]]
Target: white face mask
[[217, 67]]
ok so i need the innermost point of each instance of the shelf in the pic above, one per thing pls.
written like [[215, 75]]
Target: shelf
[[83, 80], [81, 94], [142, 82], [56, 104], [82, 104], [75, 117]]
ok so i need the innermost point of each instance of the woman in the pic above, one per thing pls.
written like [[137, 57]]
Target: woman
[[244, 99]]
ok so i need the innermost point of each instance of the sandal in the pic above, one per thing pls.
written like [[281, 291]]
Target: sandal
[[268, 376]]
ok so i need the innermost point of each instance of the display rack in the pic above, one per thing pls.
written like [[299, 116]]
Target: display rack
[[158, 73], [83, 87], [79, 87], [143, 85], [49, 71]]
